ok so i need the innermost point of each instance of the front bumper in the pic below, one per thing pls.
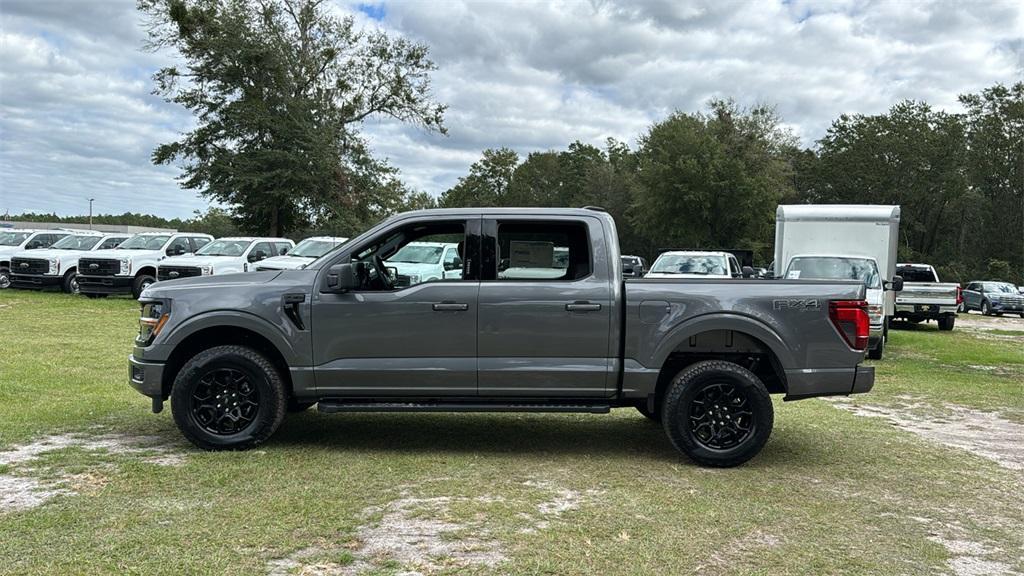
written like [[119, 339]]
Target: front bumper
[[105, 284], [36, 281], [998, 306], [146, 377]]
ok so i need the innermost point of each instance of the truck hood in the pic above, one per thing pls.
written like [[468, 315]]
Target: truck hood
[[45, 253], [284, 262], [8, 251], [115, 254], [193, 260], [167, 288]]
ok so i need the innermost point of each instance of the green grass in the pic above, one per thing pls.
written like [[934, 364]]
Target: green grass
[[831, 493]]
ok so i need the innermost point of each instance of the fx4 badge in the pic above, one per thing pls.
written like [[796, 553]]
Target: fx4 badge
[[796, 304]]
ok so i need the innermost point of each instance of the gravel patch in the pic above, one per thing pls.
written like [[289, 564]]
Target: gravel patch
[[985, 434], [20, 490]]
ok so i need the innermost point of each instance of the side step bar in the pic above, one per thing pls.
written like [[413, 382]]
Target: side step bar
[[328, 406]]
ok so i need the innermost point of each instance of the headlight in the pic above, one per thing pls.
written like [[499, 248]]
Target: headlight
[[414, 279], [152, 319], [54, 266], [875, 313], [126, 267], [206, 270]]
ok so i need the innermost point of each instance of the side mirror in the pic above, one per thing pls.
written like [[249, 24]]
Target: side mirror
[[748, 271], [392, 273], [341, 278], [257, 256], [896, 285], [176, 251]]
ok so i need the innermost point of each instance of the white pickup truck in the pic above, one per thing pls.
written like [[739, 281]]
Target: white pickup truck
[[19, 239], [925, 298], [223, 256], [57, 266], [304, 252], [694, 264], [131, 267]]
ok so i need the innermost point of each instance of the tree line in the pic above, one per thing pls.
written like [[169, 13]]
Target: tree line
[[279, 90]]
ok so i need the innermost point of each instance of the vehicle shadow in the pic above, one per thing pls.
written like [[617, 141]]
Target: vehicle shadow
[[504, 434]]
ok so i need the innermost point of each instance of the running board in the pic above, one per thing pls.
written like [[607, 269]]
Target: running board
[[328, 406]]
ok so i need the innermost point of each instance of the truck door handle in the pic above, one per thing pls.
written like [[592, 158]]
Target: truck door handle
[[582, 307], [450, 307]]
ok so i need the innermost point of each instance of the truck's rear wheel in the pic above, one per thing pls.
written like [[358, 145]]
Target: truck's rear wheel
[[228, 398], [946, 322], [717, 413]]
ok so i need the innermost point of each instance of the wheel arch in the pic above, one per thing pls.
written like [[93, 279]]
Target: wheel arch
[[148, 269]]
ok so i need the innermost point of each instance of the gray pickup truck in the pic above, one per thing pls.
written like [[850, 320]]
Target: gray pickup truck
[[539, 321]]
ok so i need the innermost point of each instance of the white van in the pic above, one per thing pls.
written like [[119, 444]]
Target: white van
[[847, 239]]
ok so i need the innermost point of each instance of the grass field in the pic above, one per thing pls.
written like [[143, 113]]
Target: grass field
[[838, 489]]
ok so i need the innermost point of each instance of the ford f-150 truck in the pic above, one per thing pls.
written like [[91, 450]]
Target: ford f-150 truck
[[234, 353], [925, 298]]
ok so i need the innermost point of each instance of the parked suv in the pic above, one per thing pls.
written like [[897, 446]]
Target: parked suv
[[223, 256], [19, 239], [131, 267], [57, 266], [304, 252], [993, 298], [633, 266]]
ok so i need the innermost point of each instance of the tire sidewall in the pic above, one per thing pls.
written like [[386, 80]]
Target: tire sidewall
[[272, 400], [69, 283], [137, 284], [685, 387]]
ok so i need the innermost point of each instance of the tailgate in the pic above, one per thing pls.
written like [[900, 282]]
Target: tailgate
[[928, 293]]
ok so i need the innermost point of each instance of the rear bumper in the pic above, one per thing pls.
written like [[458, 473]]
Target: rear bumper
[[36, 281], [146, 377], [105, 284], [811, 383], [924, 310]]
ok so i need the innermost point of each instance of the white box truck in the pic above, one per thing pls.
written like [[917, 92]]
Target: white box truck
[[836, 241]]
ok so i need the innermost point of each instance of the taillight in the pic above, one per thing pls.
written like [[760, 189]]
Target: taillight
[[959, 295], [850, 317]]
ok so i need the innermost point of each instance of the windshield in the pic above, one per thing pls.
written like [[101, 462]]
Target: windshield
[[1000, 287], [690, 264], [224, 248], [916, 274], [13, 238], [418, 254], [835, 268], [141, 242], [310, 248], [76, 243]]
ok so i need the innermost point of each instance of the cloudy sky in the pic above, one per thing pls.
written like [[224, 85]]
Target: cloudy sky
[[77, 119]]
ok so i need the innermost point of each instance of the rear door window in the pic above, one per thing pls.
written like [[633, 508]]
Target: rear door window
[[543, 251]]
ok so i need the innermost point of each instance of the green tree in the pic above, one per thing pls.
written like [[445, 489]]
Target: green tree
[[487, 182], [279, 90], [217, 222], [712, 180]]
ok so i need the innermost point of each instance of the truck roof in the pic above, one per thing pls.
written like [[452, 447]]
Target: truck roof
[[695, 253], [841, 212], [510, 211], [254, 238]]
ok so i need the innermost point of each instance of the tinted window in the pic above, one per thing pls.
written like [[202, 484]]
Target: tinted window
[[400, 250], [260, 251], [110, 243], [179, 246], [543, 251], [915, 274]]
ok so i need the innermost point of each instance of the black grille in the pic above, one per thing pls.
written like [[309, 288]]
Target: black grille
[[29, 266], [98, 267], [173, 272]]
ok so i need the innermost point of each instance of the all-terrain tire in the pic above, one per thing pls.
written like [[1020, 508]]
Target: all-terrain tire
[[653, 416], [263, 376], [681, 405], [141, 282], [946, 323]]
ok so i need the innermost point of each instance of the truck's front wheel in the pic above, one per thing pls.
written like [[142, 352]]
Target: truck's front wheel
[[228, 398], [717, 413]]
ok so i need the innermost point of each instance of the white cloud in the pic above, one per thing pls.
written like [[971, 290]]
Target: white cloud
[[77, 118]]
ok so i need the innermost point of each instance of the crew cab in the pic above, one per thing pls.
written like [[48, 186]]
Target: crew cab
[[695, 264], [223, 256], [131, 267], [304, 252], [234, 353], [18, 240], [57, 266], [924, 297]]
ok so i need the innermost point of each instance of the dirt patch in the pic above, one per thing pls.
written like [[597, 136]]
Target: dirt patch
[[20, 489], [967, 557], [729, 555], [985, 434], [980, 322], [421, 536]]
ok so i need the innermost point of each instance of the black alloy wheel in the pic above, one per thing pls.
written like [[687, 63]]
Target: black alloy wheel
[[225, 402], [720, 416]]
